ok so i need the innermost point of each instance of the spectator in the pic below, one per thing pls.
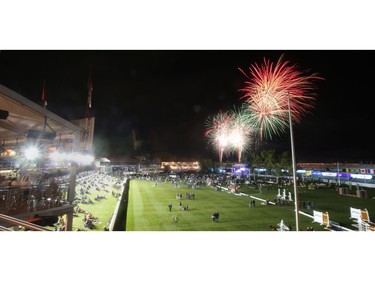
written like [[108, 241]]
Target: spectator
[[215, 217]]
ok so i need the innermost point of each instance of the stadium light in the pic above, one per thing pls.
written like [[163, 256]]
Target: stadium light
[[32, 153]]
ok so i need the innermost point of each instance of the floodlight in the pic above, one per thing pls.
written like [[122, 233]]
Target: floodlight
[[32, 153]]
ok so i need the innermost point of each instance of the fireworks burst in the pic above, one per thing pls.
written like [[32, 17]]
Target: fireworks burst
[[241, 131], [268, 90], [229, 132], [217, 132]]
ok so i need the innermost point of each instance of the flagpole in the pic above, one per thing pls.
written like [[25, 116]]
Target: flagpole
[[88, 111], [44, 101], [294, 167]]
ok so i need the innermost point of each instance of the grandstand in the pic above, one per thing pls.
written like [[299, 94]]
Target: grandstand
[[41, 155]]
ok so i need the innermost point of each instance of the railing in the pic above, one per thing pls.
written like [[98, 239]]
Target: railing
[[2, 228], [14, 200], [17, 222]]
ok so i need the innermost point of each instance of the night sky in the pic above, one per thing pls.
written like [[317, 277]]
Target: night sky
[[163, 97]]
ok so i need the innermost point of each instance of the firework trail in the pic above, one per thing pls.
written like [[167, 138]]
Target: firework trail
[[267, 91], [240, 135]]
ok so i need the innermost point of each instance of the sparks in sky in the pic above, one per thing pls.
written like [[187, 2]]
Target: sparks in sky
[[267, 92], [241, 132], [218, 127], [229, 132]]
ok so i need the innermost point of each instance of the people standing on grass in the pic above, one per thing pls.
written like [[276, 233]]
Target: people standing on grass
[[170, 207], [175, 219], [251, 203]]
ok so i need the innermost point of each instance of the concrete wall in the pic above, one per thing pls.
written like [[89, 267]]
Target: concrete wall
[[118, 222]]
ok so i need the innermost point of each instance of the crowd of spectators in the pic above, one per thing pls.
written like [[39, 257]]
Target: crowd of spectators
[[92, 188], [19, 194]]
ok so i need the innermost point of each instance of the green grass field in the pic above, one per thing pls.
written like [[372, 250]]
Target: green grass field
[[326, 200], [148, 210], [101, 209], [338, 206]]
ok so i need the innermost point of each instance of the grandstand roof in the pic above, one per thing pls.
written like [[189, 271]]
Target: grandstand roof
[[26, 115]]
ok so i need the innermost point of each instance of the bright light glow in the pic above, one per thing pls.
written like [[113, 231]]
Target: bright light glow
[[236, 138], [57, 156], [32, 153], [80, 159], [357, 176], [222, 140], [329, 174], [260, 169]]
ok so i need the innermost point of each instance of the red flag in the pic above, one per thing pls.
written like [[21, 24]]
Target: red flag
[[44, 100], [89, 94]]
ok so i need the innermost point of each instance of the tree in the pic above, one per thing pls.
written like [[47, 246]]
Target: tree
[[269, 159], [207, 165]]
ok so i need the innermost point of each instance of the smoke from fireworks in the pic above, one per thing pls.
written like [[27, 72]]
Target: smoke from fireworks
[[268, 90], [229, 132]]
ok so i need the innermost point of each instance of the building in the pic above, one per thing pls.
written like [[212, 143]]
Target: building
[[176, 166], [349, 173], [38, 147]]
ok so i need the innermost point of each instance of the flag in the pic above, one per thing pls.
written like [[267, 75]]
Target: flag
[[44, 100], [89, 94]]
